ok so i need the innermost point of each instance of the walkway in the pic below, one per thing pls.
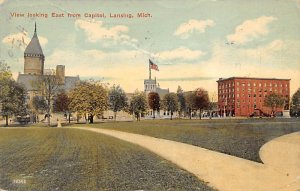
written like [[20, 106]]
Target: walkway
[[280, 172]]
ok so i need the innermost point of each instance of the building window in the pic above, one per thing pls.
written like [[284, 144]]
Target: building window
[[259, 84], [238, 83], [254, 84], [248, 84]]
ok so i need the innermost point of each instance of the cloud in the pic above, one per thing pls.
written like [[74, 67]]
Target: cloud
[[251, 29], [186, 29], [96, 31], [21, 40], [124, 67], [187, 79], [180, 54], [277, 59]]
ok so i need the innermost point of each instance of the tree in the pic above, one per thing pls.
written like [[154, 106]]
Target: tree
[[138, 104], [295, 104], [181, 101], [61, 104], [12, 95], [89, 99], [48, 86], [170, 103], [153, 101], [201, 100], [38, 105], [190, 102], [274, 101], [117, 100]]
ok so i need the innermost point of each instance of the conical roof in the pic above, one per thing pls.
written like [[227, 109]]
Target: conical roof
[[34, 47]]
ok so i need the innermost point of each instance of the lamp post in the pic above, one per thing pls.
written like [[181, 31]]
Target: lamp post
[[113, 102], [225, 104]]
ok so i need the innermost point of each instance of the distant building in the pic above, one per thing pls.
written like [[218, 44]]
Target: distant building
[[241, 96], [34, 68], [151, 85]]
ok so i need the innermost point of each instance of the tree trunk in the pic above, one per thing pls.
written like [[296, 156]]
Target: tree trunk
[[92, 119], [200, 114], [69, 117], [153, 114], [115, 116], [6, 120], [49, 108], [86, 119], [171, 114], [48, 113], [190, 114]]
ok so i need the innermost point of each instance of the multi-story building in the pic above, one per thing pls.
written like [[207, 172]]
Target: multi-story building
[[34, 61], [242, 96]]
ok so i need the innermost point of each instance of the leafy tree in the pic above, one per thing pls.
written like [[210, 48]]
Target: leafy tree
[[181, 101], [295, 105], [12, 95], [117, 100], [138, 104], [61, 104], [190, 102], [153, 101], [48, 85], [274, 101], [201, 100], [89, 99], [170, 103], [5, 72], [37, 105]]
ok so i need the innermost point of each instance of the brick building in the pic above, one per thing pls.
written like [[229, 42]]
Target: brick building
[[241, 96]]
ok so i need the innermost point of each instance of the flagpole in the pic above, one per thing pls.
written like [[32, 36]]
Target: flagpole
[[149, 71]]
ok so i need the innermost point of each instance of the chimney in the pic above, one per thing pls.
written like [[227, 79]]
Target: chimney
[[60, 74]]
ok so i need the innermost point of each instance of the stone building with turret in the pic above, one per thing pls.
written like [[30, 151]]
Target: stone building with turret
[[34, 60]]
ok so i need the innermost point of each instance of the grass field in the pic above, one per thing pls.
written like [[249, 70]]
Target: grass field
[[238, 137], [68, 159]]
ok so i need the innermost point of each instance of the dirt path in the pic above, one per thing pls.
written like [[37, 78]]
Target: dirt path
[[224, 172]]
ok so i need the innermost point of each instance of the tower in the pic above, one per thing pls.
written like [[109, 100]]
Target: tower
[[60, 74], [34, 57]]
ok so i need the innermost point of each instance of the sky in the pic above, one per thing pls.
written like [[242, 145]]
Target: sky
[[194, 43]]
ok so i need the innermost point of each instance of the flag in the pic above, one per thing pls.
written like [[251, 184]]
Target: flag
[[153, 66]]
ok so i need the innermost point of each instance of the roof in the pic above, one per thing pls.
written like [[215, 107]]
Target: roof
[[232, 78], [34, 47], [28, 81]]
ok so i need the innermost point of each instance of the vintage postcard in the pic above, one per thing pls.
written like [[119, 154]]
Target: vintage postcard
[[150, 95]]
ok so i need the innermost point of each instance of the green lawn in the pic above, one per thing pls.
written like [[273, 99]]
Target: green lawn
[[68, 159], [238, 137]]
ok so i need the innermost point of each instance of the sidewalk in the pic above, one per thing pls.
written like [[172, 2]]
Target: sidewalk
[[226, 172]]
